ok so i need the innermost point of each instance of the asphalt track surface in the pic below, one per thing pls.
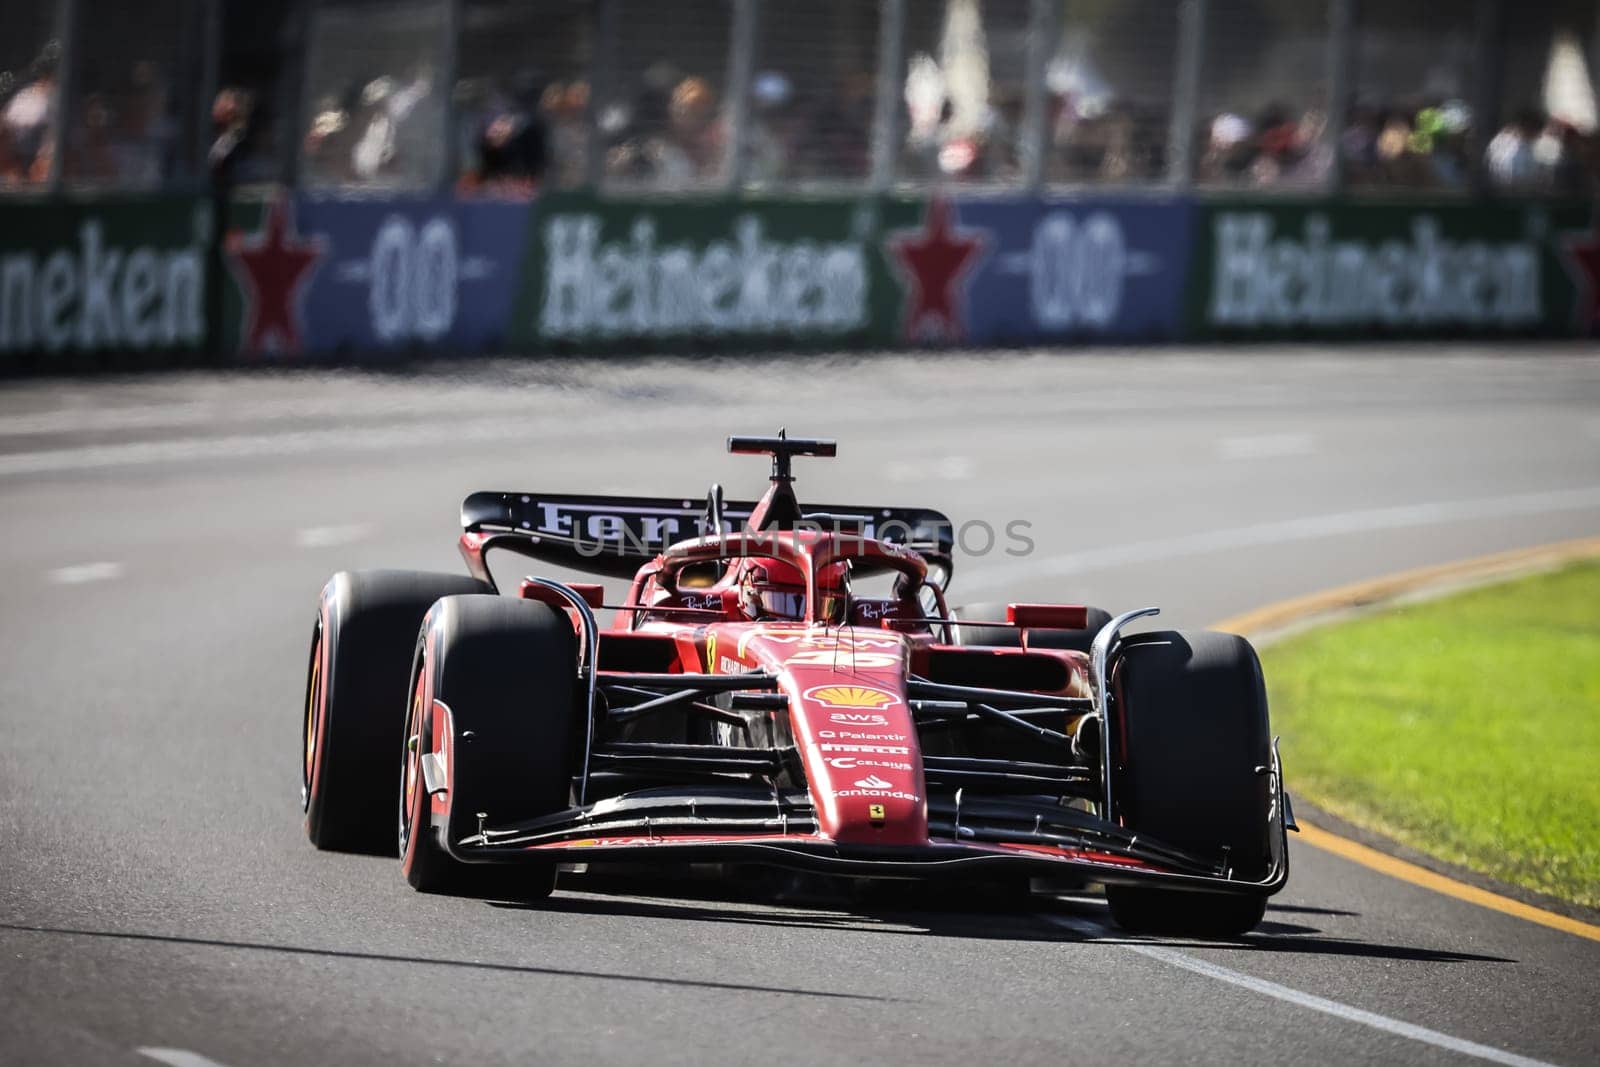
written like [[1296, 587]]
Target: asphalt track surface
[[162, 543]]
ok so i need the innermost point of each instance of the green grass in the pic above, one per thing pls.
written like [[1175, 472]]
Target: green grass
[[1466, 727]]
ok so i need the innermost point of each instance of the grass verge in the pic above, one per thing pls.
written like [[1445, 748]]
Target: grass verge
[[1466, 727]]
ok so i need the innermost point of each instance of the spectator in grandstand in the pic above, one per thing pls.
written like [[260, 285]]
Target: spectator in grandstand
[[1558, 159], [563, 110], [693, 148], [146, 132], [778, 130], [1509, 157], [91, 149], [328, 142], [1230, 149], [386, 106], [27, 123], [512, 150]]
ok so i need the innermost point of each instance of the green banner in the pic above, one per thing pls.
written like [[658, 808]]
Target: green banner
[[116, 274], [741, 270], [1269, 268]]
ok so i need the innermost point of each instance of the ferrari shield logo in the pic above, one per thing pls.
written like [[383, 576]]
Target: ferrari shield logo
[[875, 812]]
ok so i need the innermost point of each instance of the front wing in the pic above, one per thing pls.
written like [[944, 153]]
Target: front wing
[[670, 825]]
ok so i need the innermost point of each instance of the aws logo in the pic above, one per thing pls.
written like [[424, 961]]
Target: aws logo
[[864, 697]]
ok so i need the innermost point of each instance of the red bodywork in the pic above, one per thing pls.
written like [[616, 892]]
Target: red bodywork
[[842, 702]]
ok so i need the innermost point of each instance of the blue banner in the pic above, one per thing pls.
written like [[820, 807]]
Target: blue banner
[[1080, 269], [349, 275]]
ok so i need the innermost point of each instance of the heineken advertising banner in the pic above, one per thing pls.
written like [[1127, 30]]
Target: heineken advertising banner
[[852, 271], [707, 270], [343, 276], [1271, 268], [127, 275], [114, 274]]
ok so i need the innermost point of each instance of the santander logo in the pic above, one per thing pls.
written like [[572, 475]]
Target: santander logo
[[872, 781]]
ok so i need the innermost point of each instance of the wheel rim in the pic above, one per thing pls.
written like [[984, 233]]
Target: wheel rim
[[411, 762], [313, 719]]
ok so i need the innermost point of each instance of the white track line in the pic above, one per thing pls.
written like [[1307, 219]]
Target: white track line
[[1266, 446], [86, 572], [1306, 1000], [1284, 531], [178, 1057]]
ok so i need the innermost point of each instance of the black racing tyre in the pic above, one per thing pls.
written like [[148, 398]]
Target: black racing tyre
[[1197, 747], [355, 703], [506, 670], [1009, 637]]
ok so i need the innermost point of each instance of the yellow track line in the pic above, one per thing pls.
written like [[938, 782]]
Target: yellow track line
[[1484, 568], [1410, 872], [1376, 590]]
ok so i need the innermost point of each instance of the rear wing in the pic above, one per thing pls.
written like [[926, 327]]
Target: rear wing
[[614, 535]]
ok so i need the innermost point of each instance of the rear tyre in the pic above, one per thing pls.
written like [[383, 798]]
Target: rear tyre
[[1195, 712], [494, 701], [355, 701], [1010, 637]]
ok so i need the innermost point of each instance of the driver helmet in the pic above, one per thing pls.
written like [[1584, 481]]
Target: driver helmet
[[833, 593], [772, 589]]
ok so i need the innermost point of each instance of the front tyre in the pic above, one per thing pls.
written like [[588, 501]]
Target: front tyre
[[360, 661], [1194, 711], [494, 710]]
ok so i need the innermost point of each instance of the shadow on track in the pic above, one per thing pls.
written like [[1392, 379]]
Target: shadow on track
[[970, 912], [432, 961]]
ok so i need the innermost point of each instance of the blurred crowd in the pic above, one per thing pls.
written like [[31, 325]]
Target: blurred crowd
[[1420, 146], [126, 129], [666, 127], [669, 132]]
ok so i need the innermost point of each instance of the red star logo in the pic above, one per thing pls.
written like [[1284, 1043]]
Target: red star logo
[[1582, 251], [934, 261], [272, 267]]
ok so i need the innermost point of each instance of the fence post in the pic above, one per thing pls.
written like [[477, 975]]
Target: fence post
[[886, 110], [741, 68], [1487, 69], [1341, 86], [210, 85], [1192, 18], [602, 64], [449, 68], [66, 90], [1043, 36], [291, 92]]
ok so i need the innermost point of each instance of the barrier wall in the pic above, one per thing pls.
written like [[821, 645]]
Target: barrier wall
[[307, 277]]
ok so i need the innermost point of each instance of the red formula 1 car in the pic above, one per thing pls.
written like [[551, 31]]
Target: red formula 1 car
[[750, 704]]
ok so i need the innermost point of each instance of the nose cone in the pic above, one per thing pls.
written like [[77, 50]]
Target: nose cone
[[855, 732]]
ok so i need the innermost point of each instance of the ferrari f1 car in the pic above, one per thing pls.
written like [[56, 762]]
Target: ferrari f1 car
[[749, 704]]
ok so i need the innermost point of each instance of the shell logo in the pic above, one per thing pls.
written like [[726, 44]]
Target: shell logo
[[851, 696]]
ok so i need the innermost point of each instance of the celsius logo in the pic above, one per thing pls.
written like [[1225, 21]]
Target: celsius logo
[[872, 781], [861, 697], [858, 718], [852, 763]]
